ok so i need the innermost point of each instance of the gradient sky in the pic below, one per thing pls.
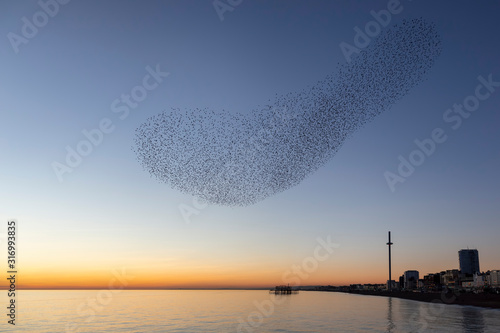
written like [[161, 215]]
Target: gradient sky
[[109, 214]]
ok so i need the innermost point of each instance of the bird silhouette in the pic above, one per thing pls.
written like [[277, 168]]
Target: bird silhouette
[[233, 159]]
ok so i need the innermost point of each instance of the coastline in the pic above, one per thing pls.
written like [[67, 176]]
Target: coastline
[[485, 300]]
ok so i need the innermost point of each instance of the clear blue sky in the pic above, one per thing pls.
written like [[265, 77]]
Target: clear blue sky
[[65, 78]]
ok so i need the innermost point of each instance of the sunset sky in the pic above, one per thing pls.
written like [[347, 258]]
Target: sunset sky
[[109, 217]]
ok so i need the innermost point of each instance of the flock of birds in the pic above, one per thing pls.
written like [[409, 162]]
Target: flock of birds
[[238, 160]]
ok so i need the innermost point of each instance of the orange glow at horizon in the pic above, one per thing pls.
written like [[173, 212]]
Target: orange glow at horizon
[[119, 278], [256, 268]]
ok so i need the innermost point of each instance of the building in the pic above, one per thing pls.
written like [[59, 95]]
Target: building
[[411, 279], [451, 278], [479, 280], [467, 285], [469, 261], [493, 279], [420, 284], [432, 281], [392, 285]]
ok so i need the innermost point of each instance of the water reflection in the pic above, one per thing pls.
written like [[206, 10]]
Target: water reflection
[[390, 324], [472, 319], [250, 310]]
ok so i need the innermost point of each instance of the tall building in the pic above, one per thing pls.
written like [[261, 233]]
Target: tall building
[[411, 279], [469, 261]]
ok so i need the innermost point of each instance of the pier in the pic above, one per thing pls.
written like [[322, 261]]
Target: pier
[[287, 290]]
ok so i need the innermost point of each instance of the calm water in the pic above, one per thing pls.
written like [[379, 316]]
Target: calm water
[[233, 311]]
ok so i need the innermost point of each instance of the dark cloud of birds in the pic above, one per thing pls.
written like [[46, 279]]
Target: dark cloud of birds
[[237, 160]]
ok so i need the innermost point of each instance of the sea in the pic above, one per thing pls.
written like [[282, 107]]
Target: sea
[[236, 311]]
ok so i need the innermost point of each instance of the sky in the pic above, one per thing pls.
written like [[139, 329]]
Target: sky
[[108, 217]]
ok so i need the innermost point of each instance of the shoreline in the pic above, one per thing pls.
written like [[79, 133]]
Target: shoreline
[[484, 300]]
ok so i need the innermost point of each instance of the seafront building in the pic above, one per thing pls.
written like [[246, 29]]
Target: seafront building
[[493, 278], [469, 261], [459, 279], [468, 277], [411, 279], [451, 278], [432, 282]]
